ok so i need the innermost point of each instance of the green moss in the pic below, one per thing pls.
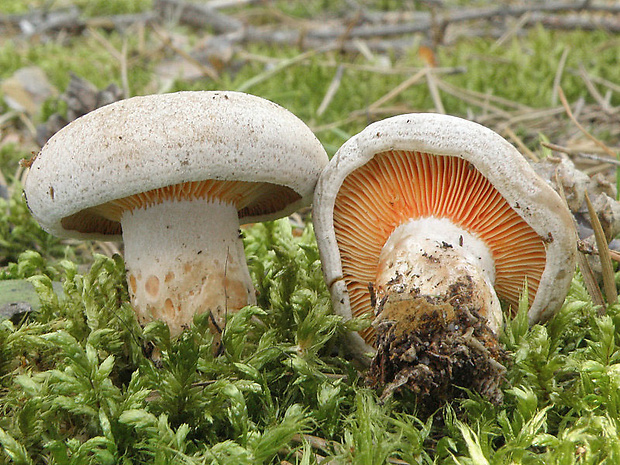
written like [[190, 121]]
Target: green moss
[[77, 386], [88, 7], [77, 383]]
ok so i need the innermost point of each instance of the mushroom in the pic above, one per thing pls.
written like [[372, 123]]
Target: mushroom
[[174, 174], [427, 222]]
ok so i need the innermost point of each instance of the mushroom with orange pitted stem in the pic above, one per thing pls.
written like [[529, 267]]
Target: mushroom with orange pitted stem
[[427, 222], [174, 175]]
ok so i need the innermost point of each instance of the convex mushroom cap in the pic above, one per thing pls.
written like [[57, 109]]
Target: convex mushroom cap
[[175, 174], [436, 184]]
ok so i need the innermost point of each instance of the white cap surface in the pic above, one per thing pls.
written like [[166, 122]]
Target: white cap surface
[[149, 142]]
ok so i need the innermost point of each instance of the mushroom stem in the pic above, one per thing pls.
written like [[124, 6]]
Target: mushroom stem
[[185, 258], [437, 316], [432, 260]]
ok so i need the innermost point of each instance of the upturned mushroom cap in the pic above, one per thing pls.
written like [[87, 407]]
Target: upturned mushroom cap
[[142, 144], [426, 165]]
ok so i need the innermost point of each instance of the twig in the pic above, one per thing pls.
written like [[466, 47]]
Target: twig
[[120, 22], [42, 21], [197, 15], [577, 21], [320, 33], [611, 85], [222, 4], [590, 156]]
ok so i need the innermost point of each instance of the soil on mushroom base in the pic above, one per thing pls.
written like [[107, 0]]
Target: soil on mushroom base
[[436, 346]]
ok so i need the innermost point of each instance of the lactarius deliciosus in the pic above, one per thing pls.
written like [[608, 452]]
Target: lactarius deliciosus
[[428, 222], [174, 175]]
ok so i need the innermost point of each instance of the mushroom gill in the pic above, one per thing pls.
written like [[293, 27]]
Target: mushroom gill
[[397, 186], [250, 199]]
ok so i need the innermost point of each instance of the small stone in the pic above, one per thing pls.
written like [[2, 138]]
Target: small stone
[[27, 89]]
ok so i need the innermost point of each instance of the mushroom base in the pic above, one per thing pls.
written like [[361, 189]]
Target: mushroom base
[[185, 258], [437, 353], [436, 314]]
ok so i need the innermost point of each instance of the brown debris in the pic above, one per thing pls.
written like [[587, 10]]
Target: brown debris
[[435, 347]]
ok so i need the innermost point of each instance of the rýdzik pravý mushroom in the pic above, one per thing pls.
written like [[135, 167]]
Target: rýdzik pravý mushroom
[[175, 174], [426, 222]]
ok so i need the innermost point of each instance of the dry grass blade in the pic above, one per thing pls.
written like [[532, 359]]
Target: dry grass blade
[[581, 128], [586, 271], [604, 82], [165, 39], [398, 89], [558, 77], [615, 255], [474, 98], [511, 32], [431, 81], [524, 148], [593, 90], [281, 66], [609, 282], [531, 115], [124, 77], [331, 91]]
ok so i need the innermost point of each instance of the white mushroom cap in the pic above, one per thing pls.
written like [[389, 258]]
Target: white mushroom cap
[[145, 143], [424, 136]]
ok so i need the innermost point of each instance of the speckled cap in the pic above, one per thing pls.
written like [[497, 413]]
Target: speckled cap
[[497, 160], [149, 142]]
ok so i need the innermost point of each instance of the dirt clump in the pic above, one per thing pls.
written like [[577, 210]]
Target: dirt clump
[[435, 346]]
